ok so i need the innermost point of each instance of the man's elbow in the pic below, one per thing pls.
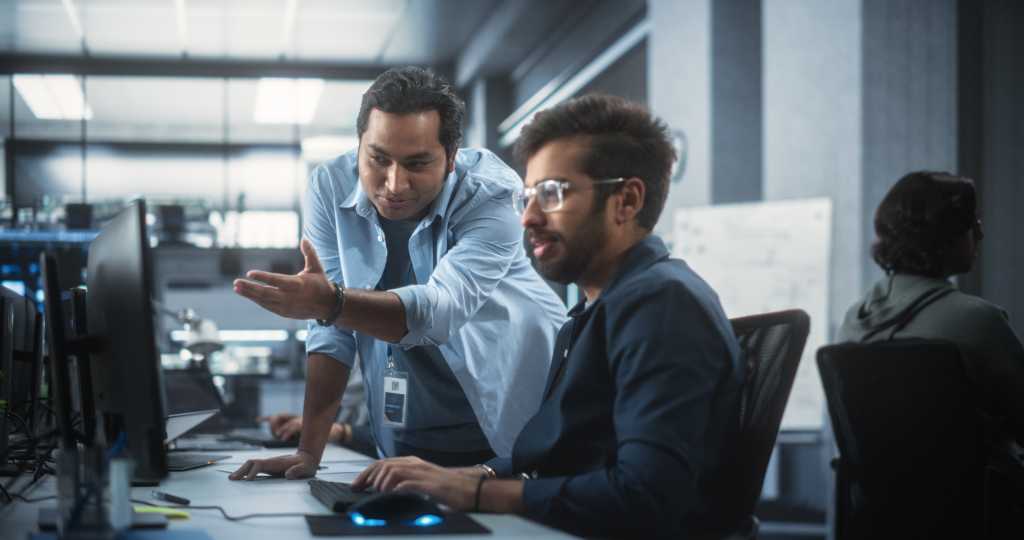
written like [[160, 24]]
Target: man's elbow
[[654, 494]]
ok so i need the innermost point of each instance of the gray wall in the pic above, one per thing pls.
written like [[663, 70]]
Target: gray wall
[[821, 99], [992, 139], [812, 131], [737, 119], [909, 96], [679, 82]]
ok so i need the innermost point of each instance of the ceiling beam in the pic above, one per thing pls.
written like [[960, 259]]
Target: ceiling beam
[[185, 67], [488, 39]]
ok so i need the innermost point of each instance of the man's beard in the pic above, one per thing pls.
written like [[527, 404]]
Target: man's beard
[[579, 252]]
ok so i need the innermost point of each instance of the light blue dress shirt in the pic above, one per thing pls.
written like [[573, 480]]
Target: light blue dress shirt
[[476, 297]]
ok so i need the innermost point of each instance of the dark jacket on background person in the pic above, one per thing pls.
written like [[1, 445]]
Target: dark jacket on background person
[[992, 352]]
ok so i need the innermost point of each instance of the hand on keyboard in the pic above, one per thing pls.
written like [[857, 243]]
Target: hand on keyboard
[[292, 466], [284, 426]]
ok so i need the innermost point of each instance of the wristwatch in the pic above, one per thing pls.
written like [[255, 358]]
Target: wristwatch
[[339, 303], [488, 472]]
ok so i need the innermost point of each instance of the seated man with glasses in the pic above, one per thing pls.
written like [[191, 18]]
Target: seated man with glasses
[[644, 386]]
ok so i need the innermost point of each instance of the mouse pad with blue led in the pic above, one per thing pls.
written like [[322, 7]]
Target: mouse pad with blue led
[[394, 513], [454, 524], [342, 525]]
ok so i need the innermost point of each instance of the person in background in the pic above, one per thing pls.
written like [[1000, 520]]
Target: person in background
[[414, 260], [644, 390], [928, 231], [351, 427]]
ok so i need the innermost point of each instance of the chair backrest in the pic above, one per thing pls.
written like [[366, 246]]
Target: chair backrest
[[771, 344], [910, 438]]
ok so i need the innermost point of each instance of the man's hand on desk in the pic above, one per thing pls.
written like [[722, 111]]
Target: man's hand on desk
[[306, 295], [298, 465], [287, 426]]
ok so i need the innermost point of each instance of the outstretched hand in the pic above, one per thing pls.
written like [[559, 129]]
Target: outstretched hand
[[306, 295]]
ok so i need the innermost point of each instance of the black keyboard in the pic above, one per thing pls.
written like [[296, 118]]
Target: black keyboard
[[337, 496], [177, 461]]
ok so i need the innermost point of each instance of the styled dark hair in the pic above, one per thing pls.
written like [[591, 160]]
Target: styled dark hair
[[624, 140], [918, 220], [414, 89]]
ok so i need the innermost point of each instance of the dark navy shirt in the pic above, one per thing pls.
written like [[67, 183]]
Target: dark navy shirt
[[643, 392], [438, 415]]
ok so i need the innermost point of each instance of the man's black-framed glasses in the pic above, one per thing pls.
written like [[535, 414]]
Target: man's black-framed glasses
[[550, 194]]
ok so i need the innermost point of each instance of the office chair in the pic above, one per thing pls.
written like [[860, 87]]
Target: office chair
[[912, 443], [771, 344]]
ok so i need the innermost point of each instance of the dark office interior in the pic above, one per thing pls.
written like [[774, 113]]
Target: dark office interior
[[791, 119]]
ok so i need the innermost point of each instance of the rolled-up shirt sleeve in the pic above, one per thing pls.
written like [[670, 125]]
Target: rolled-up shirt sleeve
[[666, 372], [486, 241], [320, 228]]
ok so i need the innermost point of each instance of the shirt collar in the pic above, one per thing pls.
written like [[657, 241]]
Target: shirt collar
[[439, 207], [649, 250]]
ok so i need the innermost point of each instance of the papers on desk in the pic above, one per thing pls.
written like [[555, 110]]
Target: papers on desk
[[171, 513]]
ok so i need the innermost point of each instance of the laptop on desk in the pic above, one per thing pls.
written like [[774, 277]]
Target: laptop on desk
[[180, 424]]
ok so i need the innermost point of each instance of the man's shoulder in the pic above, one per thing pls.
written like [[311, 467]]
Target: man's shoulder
[[663, 276], [669, 286], [480, 171]]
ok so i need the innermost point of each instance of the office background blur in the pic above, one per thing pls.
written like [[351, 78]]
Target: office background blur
[[215, 111]]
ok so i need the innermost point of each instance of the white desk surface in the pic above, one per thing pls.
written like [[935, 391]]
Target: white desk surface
[[209, 486]]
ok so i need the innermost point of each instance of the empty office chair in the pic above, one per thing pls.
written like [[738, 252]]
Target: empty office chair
[[912, 443], [771, 344]]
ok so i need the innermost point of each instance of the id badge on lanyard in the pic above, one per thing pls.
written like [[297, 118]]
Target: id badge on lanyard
[[396, 394]]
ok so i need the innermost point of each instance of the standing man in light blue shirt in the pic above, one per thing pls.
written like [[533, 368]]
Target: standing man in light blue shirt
[[415, 264]]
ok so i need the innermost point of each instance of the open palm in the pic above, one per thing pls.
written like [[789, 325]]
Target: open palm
[[306, 295]]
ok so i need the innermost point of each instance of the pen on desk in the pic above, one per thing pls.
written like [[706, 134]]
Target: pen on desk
[[171, 498]]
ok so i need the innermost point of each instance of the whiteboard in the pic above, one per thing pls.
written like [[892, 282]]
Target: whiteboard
[[767, 256]]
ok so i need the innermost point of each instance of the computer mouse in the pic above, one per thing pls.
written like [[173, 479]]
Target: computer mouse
[[394, 508]]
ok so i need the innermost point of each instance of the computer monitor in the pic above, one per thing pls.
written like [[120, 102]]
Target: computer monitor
[[6, 369], [57, 343], [126, 374], [20, 366]]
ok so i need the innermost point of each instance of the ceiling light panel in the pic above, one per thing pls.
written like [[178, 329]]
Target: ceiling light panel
[[53, 97], [181, 21], [287, 101]]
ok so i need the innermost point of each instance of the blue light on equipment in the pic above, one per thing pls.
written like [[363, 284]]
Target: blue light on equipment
[[362, 521], [427, 520]]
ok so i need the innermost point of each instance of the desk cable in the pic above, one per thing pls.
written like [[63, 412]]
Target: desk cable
[[227, 516]]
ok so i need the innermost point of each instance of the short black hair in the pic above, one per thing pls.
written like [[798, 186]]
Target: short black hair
[[919, 219], [413, 89], [624, 140]]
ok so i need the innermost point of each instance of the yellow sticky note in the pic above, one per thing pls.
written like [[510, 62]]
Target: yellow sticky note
[[171, 513]]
